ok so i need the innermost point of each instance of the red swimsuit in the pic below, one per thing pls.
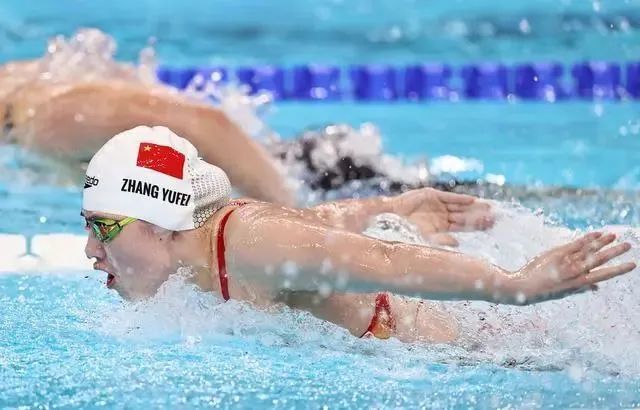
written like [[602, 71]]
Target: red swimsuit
[[382, 323]]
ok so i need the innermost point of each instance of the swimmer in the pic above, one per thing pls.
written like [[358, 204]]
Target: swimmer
[[70, 117], [68, 109], [151, 206]]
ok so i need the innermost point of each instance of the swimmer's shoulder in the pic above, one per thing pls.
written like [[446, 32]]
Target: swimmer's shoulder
[[250, 211], [249, 220], [244, 212]]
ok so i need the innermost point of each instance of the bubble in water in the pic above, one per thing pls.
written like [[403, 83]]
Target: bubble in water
[[598, 110], [326, 266], [623, 131], [325, 289], [597, 6], [269, 270], [576, 371], [290, 269]]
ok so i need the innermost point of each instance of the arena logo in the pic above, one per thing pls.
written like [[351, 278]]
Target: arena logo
[[90, 182]]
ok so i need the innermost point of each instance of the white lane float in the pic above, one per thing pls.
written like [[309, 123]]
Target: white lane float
[[45, 252]]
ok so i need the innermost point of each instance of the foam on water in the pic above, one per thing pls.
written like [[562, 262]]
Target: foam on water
[[88, 55], [589, 330]]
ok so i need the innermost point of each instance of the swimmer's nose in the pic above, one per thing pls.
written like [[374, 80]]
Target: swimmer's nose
[[93, 248]]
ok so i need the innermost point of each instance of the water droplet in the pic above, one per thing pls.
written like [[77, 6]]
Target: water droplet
[[525, 27], [623, 131], [290, 269], [325, 290], [269, 269], [598, 110], [597, 6]]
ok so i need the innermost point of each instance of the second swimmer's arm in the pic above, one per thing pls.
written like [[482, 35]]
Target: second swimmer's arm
[[111, 107], [351, 214], [223, 143], [429, 209]]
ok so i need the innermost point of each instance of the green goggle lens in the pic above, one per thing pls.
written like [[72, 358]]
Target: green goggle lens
[[106, 230]]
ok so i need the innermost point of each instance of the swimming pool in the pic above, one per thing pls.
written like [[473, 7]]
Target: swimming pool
[[66, 341]]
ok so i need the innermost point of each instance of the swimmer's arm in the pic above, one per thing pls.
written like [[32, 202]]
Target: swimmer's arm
[[429, 209], [108, 108], [353, 215], [221, 142], [350, 262]]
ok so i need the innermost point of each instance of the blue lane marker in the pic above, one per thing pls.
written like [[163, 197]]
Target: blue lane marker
[[540, 81], [374, 82], [633, 80], [534, 81], [428, 81], [597, 79], [316, 82], [214, 74], [176, 77], [263, 79], [485, 81]]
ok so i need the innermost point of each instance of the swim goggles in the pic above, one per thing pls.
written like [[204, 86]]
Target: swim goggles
[[106, 229]]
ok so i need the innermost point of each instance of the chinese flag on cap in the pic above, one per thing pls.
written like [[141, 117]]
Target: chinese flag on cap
[[161, 158]]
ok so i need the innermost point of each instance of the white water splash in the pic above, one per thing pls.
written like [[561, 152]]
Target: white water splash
[[89, 54], [180, 310], [450, 164], [584, 331], [246, 110]]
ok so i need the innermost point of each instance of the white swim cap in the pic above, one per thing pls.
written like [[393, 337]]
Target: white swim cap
[[156, 176]]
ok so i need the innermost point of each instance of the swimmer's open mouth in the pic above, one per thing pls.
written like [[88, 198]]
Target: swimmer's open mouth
[[111, 278]]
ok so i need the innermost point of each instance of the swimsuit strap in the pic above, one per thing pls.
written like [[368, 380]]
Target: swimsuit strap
[[382, 323], [220, 248]]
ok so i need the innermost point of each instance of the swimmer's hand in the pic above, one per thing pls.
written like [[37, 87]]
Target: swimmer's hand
[[436, 212], [572, 268]]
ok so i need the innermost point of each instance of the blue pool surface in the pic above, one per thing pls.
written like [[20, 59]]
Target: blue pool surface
[[67, 342], [335, 31], [61, 357]]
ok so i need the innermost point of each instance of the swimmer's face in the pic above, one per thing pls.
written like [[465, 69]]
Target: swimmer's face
[[137, 261]]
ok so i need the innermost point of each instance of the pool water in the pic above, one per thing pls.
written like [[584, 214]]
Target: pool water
[[68, 342], [336, 31], [86, 352]]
